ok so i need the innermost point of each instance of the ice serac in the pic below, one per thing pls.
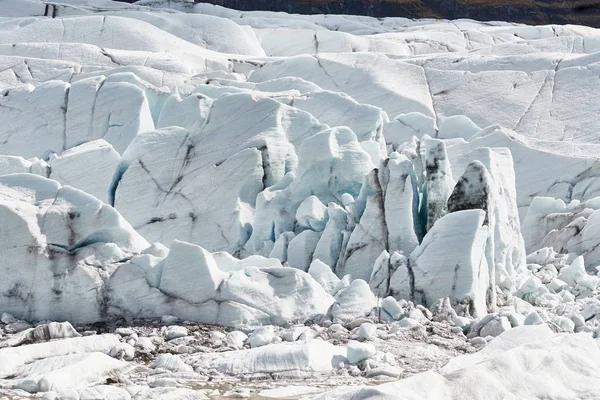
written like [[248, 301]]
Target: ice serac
[[109, 108], [401, 205], [540, 168], [331, 163], [19, 165], [89, 167], [476, 191], [381, 274], [133, 295], [451, 262], [102, 30], [457, 126], [190, 273], [473, 191], [370, 236], [189, 112], [339, 109], [385, 75], [388, 207], [68, 115], [323, 274], [181, 172], [329, 246], [406, 126], [508, 243], [247, 296], [218, 34], [311, 214], [36, 116], [58, 245], [301, 249], [438, 181], [170, 204]]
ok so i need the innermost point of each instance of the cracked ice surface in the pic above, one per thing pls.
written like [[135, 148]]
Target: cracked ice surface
[[211, 196]]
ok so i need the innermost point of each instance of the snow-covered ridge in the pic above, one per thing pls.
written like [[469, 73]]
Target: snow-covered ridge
[[259, 171]]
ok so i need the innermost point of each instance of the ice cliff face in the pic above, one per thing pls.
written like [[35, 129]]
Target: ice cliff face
[[280, 180]]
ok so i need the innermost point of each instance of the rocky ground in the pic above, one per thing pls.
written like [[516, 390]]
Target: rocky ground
[[174, 359], [174, 354]]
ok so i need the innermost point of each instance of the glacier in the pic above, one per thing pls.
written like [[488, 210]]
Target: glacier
[[198, 202]]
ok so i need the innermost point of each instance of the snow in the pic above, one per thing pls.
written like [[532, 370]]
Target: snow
[[565, 364]]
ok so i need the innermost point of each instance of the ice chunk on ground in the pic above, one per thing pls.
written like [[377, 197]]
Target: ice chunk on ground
[[14, 357], [62, 373], [367, 331], [355, 301], [261, 336], [171, 362], [289, 391], [311, 356], [358, 352], [175, 331]]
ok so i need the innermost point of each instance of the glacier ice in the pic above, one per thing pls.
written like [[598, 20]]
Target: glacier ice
[[429, 186]]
